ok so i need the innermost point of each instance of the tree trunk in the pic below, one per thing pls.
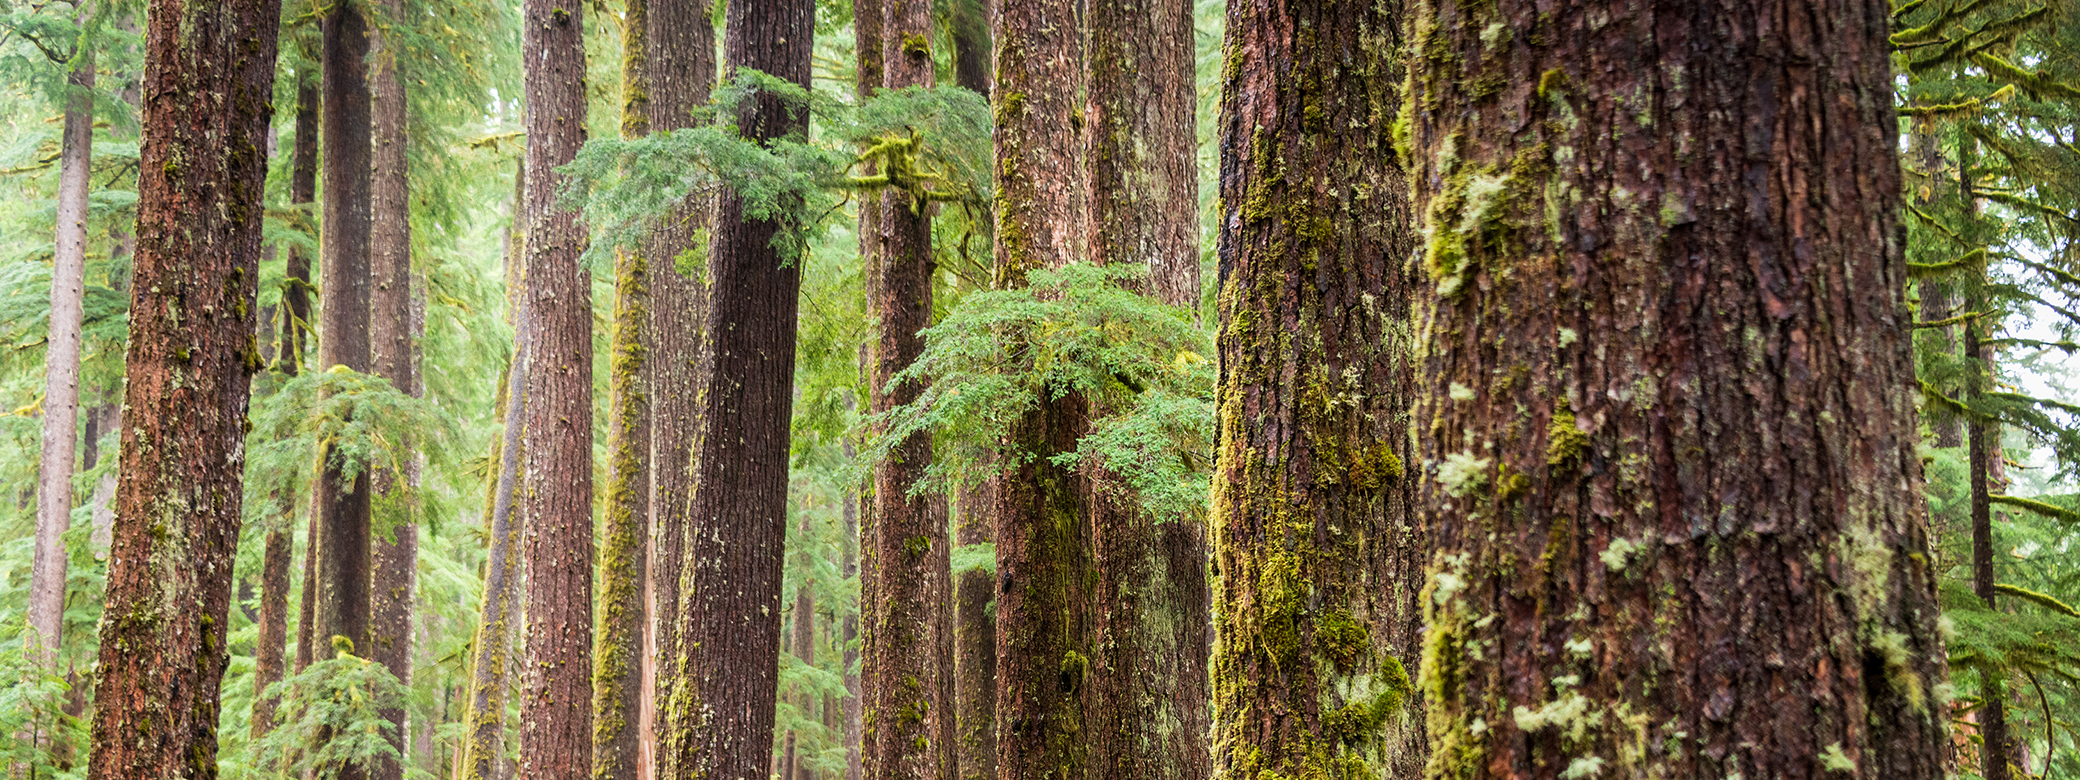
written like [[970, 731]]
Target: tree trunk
[[296, 318], [849, 631], [971, 54], [483, 751], [1983, 450], [274, 623], [1148, 714], [394, 357], [911, 727], [1041, 510], [868, 16], [555, 503], [618, 656], [61, 373], [209, 72], [975, 642], [679, 62], [803, 645], [1670, 463], [721, 718], [1312, 516], [343, 559]]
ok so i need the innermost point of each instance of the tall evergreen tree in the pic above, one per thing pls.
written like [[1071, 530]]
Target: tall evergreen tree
[[555, 496], [721, 715], [209, 87], [1660, 408], [394, 356], [1313, 517]]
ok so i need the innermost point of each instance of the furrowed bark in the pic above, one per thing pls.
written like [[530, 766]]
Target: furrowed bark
[[1313, 518], [1041, 508], [1668, 450], [209, 73], [394, 356], [1148, 713], [555, 502], [721, 718], [46, 616], [868, 17]]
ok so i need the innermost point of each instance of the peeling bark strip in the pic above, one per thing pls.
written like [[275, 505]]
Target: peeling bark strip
[[209, 82], [1043, 655], [1668, 449], [721, 718], [555, 497], [1315, 539], [1148, 704]]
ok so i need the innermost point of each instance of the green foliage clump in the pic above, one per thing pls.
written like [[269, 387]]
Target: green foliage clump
[[330, 718]]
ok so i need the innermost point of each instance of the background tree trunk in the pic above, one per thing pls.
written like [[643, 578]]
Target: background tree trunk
[[1313, 516], [209, 73], [721, 719], [556, 500], [61, 372], [849, 633], [679, 61], [975, 633], [395, 357], [1041, 511], [1983, 449], [618, 658], [910, 730], [1148, 706], [971, 45], [1665, 395]]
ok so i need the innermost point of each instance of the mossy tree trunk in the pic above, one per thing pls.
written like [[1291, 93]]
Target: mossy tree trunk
[[618, 655], [555, 498], [720, 723], [46, 613], [868, 16], [1668, 441], [908, 722], [1148, 705], [1315, 539], [1041, 508], [975, 642], [394, 354], [209, 82], [679, 65]]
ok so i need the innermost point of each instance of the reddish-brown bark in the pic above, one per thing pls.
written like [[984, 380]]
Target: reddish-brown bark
[[393, 356]]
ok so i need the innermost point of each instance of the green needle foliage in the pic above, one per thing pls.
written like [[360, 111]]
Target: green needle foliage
[[330, 718]]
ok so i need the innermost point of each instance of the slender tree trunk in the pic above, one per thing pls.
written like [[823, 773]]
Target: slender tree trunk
[[280, 552], [721, 719], [61, 372], [903, 672], [1148, 713], [209, 73], [395, 357], [679, 60], [971, 54], [1664, 385], [618, 657], [555, 503], [849, 632], [343, 559], [1041, 511], [306, 614], [803, 645], [1983, 450], [975, 642], [491, 667], [1318, 556], [1938, 300]]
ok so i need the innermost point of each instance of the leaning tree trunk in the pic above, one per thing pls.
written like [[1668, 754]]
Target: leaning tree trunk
[[209, 82], [1148, 713], [394, 357], [555, 500], [1313, 515], [909, 723], [720, 724], [1041, 216], [280, 550], [1668, 444], [61, 372], [679, 64], [618, 655], [975, 644]]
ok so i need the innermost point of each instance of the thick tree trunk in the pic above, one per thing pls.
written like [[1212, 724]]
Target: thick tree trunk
[[618, 656], [910, 724], [209, 73], [342, 545], [975, 644], [1669, 451], [679, 60], [721, 719], [1041, 510], [1313, 518], [61, 373], [555, 502], [394, 357], [868, 16], [1148, 715]]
